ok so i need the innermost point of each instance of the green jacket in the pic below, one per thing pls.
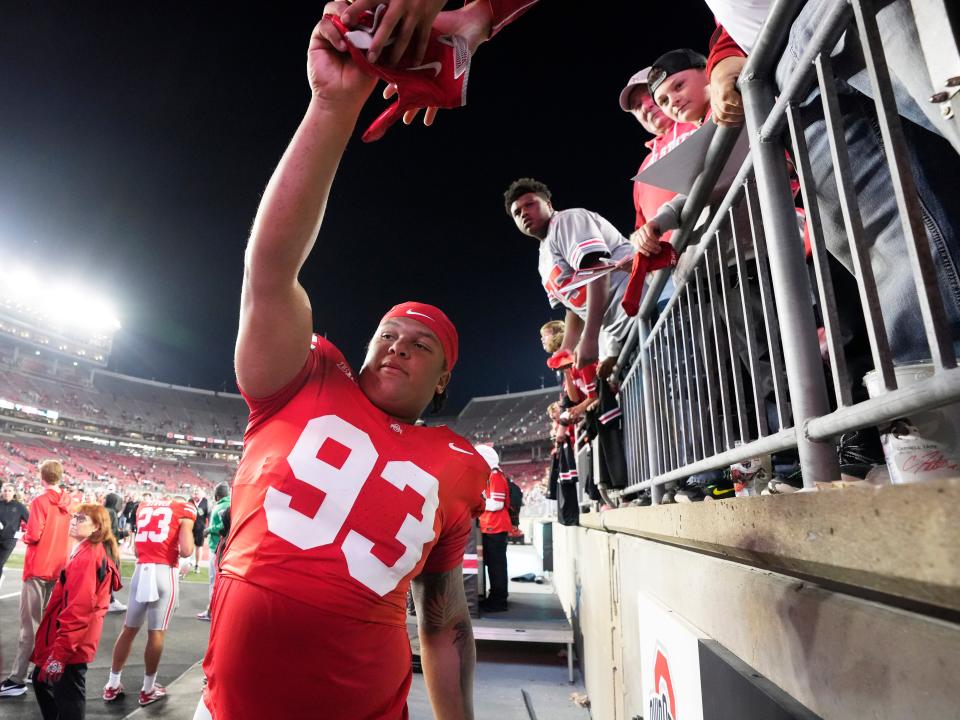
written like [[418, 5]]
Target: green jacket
[[216, 522]]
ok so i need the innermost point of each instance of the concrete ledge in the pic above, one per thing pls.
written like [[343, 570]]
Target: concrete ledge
[[901, 541]]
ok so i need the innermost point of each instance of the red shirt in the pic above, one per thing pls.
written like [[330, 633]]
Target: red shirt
[[48, 543], [496, 521], [158, 530], [338, 505], [71, 626]]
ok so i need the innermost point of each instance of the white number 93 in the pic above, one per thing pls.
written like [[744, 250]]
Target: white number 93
[[341, 487]]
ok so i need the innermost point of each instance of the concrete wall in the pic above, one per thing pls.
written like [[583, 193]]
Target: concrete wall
[[839, 655]]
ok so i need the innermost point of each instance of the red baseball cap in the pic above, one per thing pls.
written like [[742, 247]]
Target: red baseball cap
[[435, 319]]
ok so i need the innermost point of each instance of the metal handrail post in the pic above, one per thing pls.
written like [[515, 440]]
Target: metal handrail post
[[649, 443], [804, 366]]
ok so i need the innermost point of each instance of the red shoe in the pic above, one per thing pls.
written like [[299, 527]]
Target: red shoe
[[440, 80], [111, 694], [159, 692]]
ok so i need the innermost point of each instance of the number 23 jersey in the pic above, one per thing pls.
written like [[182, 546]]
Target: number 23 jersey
[[338, 505], [158, 530]]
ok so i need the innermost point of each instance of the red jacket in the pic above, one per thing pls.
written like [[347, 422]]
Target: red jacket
[[71, 626], [48, 543], [496, 521]]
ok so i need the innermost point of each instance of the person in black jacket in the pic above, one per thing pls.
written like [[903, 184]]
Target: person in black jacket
[[112, 504], [12, 514]]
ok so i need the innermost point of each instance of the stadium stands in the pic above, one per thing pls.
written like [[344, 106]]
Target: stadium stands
[[505, 420]]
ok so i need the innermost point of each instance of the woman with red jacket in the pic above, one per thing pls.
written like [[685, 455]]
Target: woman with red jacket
[[70, 630]]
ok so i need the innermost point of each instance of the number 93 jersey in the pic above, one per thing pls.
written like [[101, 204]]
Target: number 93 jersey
[[338, 505], [158, 530]]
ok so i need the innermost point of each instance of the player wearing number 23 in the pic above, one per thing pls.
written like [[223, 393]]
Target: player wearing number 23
[[164, 535]]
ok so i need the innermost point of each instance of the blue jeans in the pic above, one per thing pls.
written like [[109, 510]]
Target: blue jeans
[[932, 161]]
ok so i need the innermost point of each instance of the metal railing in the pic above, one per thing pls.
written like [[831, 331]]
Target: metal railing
[[731, 368]]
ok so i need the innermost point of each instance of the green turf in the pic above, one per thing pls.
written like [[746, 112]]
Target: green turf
[[126, 570]]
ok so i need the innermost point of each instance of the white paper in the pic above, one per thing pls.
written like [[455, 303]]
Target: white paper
[[678, 169]]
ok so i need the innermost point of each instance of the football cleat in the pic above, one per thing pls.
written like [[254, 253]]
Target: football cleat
[[159, 692], [112, 694], [439, 80]]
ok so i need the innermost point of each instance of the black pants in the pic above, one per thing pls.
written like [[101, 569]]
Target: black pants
[[495, 560], [65, 699], [6, 547]]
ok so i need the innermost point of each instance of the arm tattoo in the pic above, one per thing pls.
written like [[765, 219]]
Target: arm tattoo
[[440, 600]]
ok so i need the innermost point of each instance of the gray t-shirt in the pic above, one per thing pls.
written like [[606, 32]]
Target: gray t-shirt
[[573, 236]]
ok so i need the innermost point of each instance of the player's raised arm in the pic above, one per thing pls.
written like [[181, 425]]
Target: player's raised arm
[[447, 650], [275, 314]]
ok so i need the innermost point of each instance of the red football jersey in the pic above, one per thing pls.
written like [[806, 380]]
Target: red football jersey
[[497, 521], [158, 530], [338, 505]]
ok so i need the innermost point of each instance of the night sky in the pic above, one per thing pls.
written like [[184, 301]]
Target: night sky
[[136, 139]]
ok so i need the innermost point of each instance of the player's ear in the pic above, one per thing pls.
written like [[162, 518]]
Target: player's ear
[[442, 382]]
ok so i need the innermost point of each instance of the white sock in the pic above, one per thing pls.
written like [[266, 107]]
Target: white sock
[[114, 681], [148, 681]]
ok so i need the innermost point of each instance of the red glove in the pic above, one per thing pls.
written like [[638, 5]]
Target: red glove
[[439, 81], [667, 257], [51, 671]]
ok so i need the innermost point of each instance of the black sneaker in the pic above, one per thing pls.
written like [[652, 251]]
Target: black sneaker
[[489, 607], [9, 688]]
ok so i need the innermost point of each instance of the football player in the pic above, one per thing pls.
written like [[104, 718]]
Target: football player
[[340, 500], [164, 535]]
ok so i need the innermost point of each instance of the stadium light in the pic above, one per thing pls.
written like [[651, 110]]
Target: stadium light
[[62, 304]]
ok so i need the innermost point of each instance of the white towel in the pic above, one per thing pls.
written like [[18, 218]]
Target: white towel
[[147, 584]]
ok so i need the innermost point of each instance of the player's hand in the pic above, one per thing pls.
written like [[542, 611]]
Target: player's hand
[[606, 367], [333, 76], [646, 239], [407, 22], [725, 99], [472, 22], [587, 352]]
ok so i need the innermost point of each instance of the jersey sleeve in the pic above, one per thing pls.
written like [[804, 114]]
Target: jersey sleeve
[[263, 408], [457, 524], [589, 377], [499, 490], [578, 237], [188, 512], [722, 46]]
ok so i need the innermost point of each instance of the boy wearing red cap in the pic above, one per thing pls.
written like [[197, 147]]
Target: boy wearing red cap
[[340, 500]]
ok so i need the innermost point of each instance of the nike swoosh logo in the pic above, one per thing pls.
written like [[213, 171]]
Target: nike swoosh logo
[[435, 66], [459, 450], [414, 312]]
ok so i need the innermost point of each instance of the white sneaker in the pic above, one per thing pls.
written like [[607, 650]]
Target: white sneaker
[[116, 606]]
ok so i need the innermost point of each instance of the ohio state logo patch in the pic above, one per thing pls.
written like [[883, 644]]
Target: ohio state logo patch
[[662, 703]]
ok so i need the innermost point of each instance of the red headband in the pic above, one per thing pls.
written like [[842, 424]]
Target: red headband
[[435, 319]]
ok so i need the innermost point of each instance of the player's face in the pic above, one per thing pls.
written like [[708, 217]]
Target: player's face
[[81, 526], [532, 213], [685, 96], [403, 368], [546, 339], [645, 109], [7, 493]]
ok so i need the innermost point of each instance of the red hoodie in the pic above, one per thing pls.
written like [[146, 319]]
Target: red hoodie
[[72, 623], [48, 543]]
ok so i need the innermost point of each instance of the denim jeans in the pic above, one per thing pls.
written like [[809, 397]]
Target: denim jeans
[[932, 161]]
